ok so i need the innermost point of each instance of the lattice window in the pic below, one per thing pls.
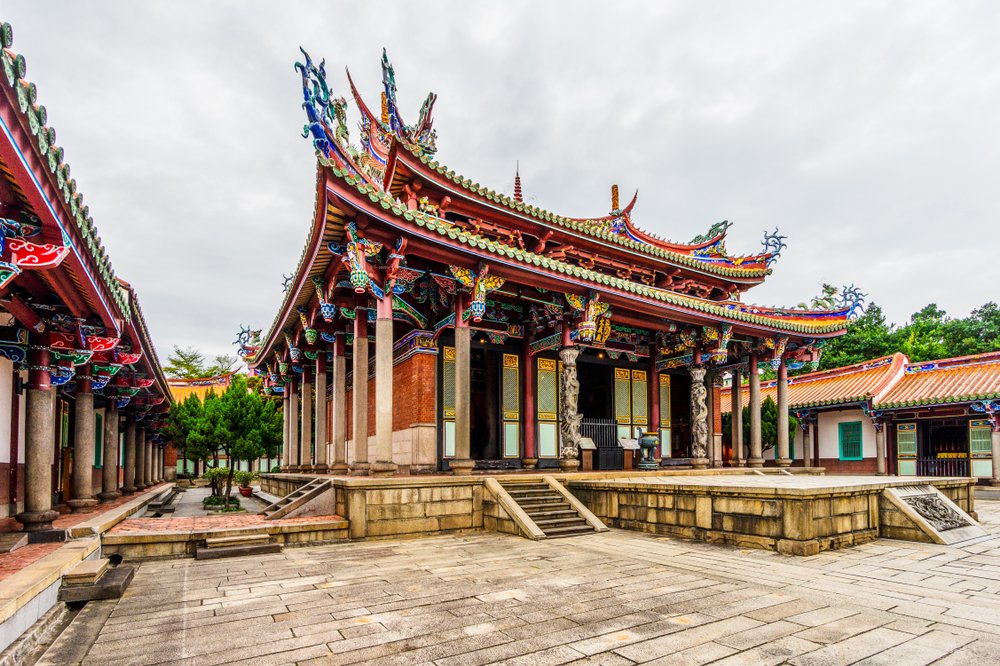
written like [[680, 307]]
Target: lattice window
[[640, 402], [448, 383], [548, 390], [980, 438], [664, 401], [850, 440], [623, 397], [511, 392], [511, 406], [906, 440]]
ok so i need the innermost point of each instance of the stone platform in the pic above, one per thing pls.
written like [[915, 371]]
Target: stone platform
[[795, 514]]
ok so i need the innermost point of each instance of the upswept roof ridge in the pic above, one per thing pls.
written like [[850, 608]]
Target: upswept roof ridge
[[802, 321]]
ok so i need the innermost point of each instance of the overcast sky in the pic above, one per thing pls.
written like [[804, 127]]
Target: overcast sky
[[868, 132]]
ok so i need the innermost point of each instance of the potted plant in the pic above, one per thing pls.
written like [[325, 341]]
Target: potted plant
[[245, 479]]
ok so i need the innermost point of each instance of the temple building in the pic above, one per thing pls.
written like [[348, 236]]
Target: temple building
[[891, 416], [81, 389], [434, 324]]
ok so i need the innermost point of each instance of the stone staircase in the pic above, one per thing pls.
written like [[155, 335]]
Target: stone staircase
[[236, 546], [548, 509], [296, 499]]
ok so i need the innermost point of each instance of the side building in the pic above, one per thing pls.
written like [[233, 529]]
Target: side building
[[434, 324], [81, 390], [890, 416]]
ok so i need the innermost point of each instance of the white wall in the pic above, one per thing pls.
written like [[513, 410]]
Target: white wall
[[6, 390], [829, 433]]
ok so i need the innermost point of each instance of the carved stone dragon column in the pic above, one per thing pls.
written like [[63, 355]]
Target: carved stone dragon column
[[569, 450], [699, 419]]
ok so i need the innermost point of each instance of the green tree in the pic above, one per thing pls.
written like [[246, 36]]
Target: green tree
[[189, 363], [180, 421], [923, 338], [768, 426], [868, 337], [186, 363]]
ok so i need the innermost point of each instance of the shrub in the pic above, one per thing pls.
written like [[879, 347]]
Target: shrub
[[245, 478], [217, 500], [276, 469]]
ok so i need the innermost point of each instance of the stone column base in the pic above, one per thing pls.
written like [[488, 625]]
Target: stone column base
[[784, 462], [755, 462], [461, 466], [82, 505], [529, 463], [139, 487], [109, 497], [339, 468], [359, 469], [294, 468], [569, 464], [128, 490], [321, 469], [699, 463], [36, 521], [382, 468]]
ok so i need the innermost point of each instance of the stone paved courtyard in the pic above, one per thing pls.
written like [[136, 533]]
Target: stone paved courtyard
[[614, 598]]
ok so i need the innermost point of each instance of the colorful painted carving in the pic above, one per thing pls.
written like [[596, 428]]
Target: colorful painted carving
[[310, 333], [356, 255], [590, 308], [479, 284], [248, 343], [30, 255]]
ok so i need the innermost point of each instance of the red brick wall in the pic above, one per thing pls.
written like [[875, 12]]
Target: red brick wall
[[414, 386], [836, 466]]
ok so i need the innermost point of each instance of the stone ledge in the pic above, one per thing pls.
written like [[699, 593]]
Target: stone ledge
[[103, 522], [20, 588]]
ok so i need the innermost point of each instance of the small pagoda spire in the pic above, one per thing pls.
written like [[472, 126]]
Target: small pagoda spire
[[614, 197], [518, 196]]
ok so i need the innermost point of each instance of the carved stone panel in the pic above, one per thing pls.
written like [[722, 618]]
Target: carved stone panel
[[699, 414]]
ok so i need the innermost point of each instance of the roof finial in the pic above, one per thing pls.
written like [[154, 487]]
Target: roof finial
[[614, 197], [385, 110], [517, 182]]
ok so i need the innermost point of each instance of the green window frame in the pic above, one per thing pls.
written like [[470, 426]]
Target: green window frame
[[98, 439], [849, 435]]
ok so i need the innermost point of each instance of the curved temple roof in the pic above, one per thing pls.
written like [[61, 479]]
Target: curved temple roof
[[850, 384], [381, 136]]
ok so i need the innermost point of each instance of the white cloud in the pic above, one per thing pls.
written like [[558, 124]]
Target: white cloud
[[865, 131]]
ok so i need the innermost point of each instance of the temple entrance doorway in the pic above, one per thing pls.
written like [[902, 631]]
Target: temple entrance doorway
[[596, 389], [485, 401]]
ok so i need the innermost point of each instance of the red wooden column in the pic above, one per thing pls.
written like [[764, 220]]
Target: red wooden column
[[654, 398], [530, 425]]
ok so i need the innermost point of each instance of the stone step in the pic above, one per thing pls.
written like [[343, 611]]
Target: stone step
[[529, 499], [539, 504], [551, 513], [87, 572], [564, 521], [525, 486], [517, 492], [237, 551], [222, 542], [11, 541], [572, 530], [111, 586]]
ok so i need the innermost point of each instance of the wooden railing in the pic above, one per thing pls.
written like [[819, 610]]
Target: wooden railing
[[942, 467]]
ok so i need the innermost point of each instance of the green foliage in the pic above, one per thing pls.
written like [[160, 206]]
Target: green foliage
[[217, 500], [768, 425], [238, 423], [929, 334], [276, 469], [245, 478]]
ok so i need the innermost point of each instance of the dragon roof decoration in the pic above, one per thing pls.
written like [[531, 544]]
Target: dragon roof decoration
[[380, 133]]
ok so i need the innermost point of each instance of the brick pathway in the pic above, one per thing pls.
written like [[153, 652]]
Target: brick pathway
[[614, 598], [22, 557]]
